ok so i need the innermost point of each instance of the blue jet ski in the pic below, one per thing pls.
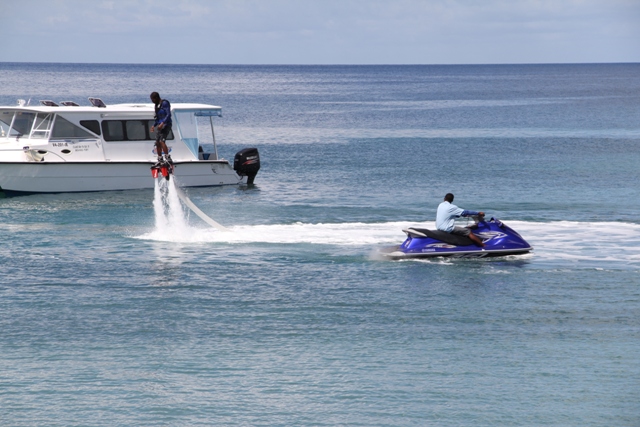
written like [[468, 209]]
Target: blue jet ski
[[499, 240]]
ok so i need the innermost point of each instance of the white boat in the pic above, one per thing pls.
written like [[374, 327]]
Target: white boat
[[51, 148]]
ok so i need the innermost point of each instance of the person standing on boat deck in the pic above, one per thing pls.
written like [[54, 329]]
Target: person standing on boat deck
[[445, 219], [163, 124]]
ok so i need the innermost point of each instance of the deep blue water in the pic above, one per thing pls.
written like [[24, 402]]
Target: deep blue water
[[292, 319]]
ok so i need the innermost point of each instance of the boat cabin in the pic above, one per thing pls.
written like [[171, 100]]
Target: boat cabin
[[68, 132]]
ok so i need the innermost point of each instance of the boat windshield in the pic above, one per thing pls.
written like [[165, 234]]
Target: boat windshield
[[195, 126], [21, 123], [5, 124]]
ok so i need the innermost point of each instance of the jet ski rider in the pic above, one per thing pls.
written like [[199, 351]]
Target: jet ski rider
[[445, 219]]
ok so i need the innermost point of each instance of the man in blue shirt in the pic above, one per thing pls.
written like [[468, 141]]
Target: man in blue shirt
[[162, 124], [445, 219]]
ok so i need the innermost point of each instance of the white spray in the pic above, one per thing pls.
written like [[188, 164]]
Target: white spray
[[171, 219]]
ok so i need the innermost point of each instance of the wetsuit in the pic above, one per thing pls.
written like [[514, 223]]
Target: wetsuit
[[163, 115]]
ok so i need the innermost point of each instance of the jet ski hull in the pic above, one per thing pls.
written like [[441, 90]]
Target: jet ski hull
[[499, 240]]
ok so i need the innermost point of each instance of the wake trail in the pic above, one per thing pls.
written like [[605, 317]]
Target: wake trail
[[555, 241]]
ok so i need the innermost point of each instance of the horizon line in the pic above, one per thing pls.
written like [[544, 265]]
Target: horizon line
[[320, 64]]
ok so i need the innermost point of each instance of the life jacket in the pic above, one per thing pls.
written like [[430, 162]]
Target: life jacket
[[157, 108]]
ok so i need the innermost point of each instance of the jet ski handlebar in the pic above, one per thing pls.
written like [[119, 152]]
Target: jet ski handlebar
[[477, 218]]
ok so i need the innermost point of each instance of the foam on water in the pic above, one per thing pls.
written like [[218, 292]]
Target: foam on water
[[170, 217], [574, 242], [596, 244]]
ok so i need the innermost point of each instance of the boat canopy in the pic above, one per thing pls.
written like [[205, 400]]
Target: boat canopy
[[199, 110]]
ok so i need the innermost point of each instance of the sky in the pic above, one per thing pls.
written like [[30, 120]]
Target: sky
[[321, 31]]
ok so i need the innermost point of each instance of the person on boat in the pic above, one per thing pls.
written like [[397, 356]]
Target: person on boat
[[162, 124], [445, 219]]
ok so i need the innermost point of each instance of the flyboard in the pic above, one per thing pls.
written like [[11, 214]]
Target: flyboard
[[165, 169]]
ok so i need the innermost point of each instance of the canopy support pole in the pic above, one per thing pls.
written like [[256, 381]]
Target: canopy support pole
[[213, 134]]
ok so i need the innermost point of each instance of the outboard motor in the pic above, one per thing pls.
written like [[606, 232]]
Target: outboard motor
[[247, 163]]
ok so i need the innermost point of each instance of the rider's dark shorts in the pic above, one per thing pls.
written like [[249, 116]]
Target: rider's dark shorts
[[163, 134], [461, 231]]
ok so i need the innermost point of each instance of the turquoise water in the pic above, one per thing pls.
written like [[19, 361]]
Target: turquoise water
[[108, 318]]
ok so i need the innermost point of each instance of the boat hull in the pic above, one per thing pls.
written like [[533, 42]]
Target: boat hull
[[396, 253], [70, 177]]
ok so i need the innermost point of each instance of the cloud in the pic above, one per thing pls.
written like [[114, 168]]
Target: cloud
[[328, 31]]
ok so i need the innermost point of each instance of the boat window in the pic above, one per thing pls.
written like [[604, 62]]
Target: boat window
[[136, 130], [188, 130], [113, 130], [22, 123], [129, 130], [152, 135], [5, 122], [64, 129], [42, 125], [92, 125]]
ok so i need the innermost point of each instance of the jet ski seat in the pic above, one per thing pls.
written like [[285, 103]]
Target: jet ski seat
[[443, 236]]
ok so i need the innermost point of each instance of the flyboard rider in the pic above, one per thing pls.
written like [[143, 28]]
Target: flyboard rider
[[163, 125]]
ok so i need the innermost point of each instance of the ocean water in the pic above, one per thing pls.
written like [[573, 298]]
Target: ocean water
[[118, 310]]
